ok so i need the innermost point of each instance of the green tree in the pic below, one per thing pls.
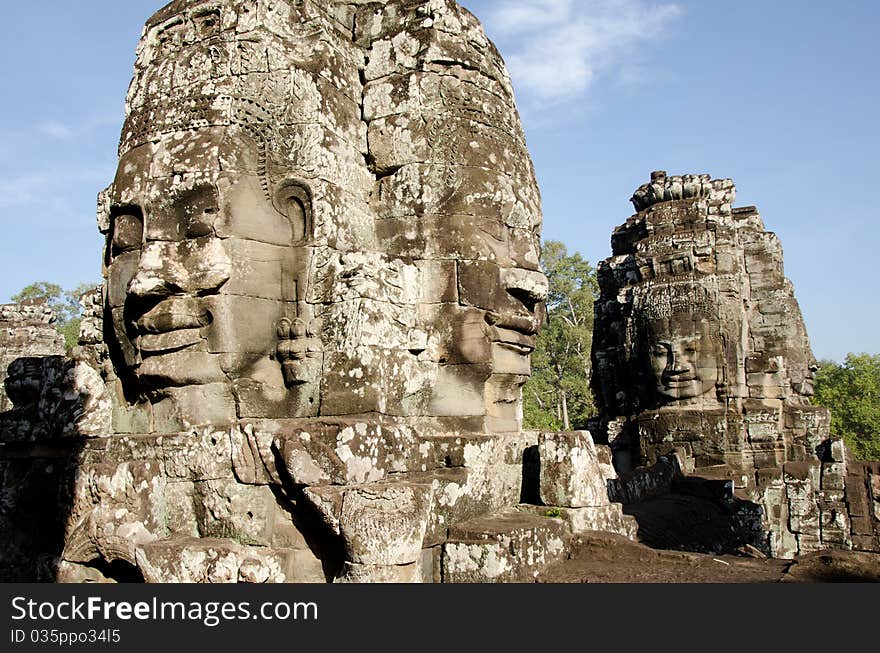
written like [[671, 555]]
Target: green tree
[[558, 396], [64, 303], [851, 392]]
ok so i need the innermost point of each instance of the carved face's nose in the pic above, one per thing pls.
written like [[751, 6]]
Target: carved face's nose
[[188, 267], [526, 287], [679, 361]]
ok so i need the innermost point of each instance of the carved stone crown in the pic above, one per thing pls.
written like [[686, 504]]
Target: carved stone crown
[[667, 300], [667, 189]]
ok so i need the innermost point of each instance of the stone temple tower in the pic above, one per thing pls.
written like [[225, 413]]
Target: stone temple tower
[[700, 351]]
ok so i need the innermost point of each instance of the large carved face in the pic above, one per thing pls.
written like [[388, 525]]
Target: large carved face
[[316, 224], [203, 265], [685, 356]]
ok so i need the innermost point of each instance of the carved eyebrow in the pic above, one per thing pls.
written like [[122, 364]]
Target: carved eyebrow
[[126, 208], [168, 28], [206, 10]]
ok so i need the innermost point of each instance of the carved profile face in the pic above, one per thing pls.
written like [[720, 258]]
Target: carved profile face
[[203, 265], [685, 357]]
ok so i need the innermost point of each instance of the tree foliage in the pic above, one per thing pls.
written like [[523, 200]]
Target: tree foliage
[[851, 392], [558, 396], [64, 303]]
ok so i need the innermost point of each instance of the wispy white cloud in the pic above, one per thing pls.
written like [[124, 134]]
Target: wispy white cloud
[[42, 187], [22, 189], [513, 16], [555, 49], [56, 129]]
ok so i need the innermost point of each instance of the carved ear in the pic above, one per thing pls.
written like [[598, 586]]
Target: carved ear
[[293, 199]]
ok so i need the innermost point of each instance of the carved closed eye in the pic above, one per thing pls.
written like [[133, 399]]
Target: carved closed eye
[[195, 211], [202, 222], [127, 231], [207, 23], [170, 34]]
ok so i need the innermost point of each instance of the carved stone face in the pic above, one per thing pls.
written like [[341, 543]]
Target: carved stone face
[[320, 237], [685, 357], [202, 266]]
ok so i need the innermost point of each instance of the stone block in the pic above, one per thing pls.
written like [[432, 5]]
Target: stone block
[[385, 524], [128, 420], [203, 454], [194, 406], [570, 472], [462, 494], [449, 451], [388, 380], [608, 519], [180, 509], [346, 451], [507, 547], [228, 509], [302, 566], [189, 560], [326, 501], [253, 457], [834, 476], [439, 282], [838, 451], [645, 483], [869, 543], [809, 542], [460, 391], [431, 565]]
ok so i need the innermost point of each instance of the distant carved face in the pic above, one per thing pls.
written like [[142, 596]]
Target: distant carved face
[[201, 265], [685, 357]]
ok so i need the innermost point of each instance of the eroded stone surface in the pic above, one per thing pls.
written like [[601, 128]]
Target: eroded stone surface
[[570, 473], [210, 561], [26, 332], [508, 547]]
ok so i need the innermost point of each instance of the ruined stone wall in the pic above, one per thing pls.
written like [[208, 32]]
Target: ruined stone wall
[[30, 348], [26, 332], [700, 350], [862, 493]]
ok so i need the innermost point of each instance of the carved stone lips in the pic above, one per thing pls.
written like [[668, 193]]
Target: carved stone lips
[[174, 324], [168, 342], [518, 332], [678, 381]]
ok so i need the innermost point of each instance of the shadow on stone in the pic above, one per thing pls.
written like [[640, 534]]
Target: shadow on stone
[[699, 515], [531, 481], [38, 470]]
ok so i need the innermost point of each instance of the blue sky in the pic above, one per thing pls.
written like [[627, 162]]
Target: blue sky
[[781, 96]]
